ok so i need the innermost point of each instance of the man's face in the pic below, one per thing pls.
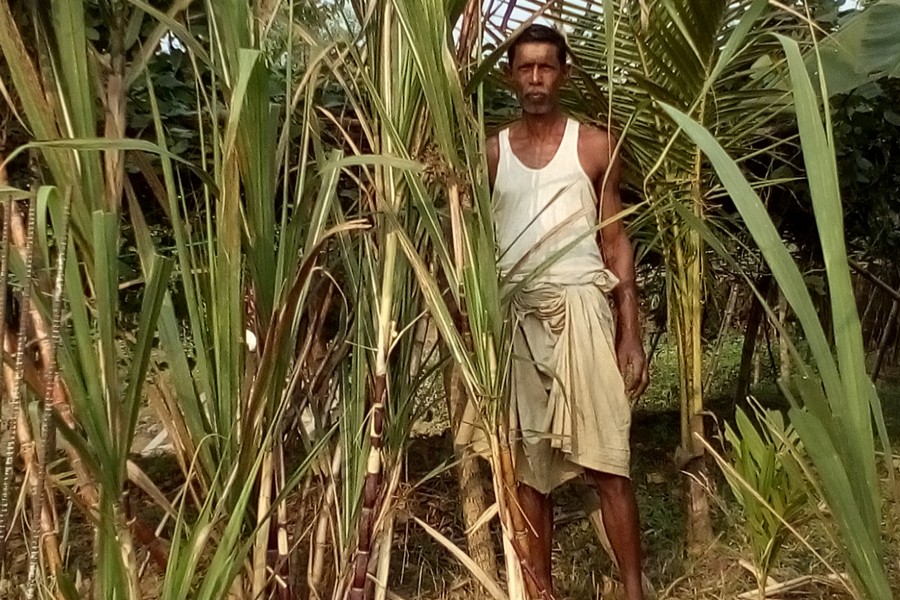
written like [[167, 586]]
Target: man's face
[[536, 76]]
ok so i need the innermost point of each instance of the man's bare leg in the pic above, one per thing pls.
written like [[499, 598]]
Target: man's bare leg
[[538, 511], [620, 518]]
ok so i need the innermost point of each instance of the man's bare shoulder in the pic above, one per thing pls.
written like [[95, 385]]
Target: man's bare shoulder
[[492, 150], [592, 137], [593, 150], [493, 133]]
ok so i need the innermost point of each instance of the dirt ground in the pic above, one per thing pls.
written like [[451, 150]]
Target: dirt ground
[[582, 570]]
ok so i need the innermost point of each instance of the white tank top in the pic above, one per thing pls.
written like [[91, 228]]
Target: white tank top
[[541, 212]]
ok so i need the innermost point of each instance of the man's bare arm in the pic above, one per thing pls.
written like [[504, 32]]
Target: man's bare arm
[[492, 147], [619, 257]]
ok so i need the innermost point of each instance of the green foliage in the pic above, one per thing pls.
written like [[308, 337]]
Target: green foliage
[[835, 404], [331, 258], [767, 482], [865, 48], [867, 142]]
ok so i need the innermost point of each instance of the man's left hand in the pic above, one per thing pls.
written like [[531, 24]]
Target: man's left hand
[[633, 366]]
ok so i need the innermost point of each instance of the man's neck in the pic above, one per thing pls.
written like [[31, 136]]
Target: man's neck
[[541, 126]]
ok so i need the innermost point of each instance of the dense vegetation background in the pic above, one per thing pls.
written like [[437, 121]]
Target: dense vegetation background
[[248, 260]]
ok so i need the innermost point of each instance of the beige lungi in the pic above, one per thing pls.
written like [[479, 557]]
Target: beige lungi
[[568, 407]]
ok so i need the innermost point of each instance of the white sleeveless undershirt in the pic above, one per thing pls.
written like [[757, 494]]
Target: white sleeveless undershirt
[[541, 212]]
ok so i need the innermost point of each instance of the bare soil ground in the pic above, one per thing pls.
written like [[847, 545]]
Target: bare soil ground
[[582, 571]]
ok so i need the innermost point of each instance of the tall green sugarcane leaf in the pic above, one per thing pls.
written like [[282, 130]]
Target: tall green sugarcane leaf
[[26, 83], [189, 543], [77, 90], [862, 544], [41, 118], [106, 289], [232, 21], [833, 450], [154, 293], [95, 144], [168, 327], [200, 338], [819, 158], [255, 128]]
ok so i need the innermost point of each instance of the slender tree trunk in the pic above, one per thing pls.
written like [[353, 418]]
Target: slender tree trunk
[[471, 476], [720, 337], [688, 332], [864, 317], [784, 354], [751, 333], [757, 366], [886, 334], [688, 309]]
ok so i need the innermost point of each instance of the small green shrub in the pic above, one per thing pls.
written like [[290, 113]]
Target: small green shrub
[[767, 482]]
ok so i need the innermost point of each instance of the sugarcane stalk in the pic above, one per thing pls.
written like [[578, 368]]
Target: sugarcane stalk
[[9, 449], [51, 379], [35, 320], [319, 548], [115, 101], [126, 545], [384, 557], [470, 474], [4, 270], [279, 536], [26, 444], [261, 547], [360, 588], [521, 577]]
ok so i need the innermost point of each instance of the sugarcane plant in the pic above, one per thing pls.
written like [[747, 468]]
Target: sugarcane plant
[[93, 401], [834, 405]]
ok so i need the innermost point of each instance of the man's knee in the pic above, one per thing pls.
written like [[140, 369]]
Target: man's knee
[[612, 486]]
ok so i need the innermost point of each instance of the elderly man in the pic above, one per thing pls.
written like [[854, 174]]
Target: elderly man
[[575, 370]]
